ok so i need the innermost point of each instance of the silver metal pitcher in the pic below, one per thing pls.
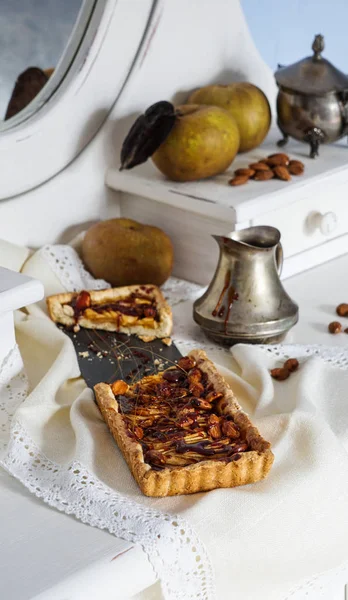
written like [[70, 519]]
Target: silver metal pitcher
[[246, 301]]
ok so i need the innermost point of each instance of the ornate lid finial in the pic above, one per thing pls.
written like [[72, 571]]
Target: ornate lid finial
[[318, 46]]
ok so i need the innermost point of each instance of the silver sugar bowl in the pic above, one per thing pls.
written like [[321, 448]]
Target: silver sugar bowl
[[312, 100]]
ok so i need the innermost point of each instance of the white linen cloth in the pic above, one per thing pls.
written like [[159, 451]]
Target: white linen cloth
[[265, 541]]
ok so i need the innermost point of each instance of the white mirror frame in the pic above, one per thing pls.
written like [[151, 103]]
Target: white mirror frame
[[35, 150]]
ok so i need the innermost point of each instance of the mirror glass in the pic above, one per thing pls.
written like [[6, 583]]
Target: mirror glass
[[37, 44]]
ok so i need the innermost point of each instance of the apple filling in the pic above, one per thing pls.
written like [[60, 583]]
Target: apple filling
[[175, 418], [135, 309]]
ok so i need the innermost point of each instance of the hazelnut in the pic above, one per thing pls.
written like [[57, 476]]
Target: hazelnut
[[195, 376], [119, 387], [291, 364], [280, 374], [154, 457], [187, 363], [196, 389], [173, 375], [335, 327], [342, 310]]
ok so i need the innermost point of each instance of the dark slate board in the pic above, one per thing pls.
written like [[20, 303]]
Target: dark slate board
[[114, 356]]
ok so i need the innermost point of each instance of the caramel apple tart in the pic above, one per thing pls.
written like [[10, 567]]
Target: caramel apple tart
[[182, 430], [134, 309]]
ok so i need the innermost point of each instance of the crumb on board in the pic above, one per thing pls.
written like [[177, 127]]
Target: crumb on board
[[84, 354], [167, 341], [159, 364], [76, 328], [147, 338]]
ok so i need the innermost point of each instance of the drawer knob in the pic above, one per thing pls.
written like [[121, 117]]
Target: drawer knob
[[326, 223]]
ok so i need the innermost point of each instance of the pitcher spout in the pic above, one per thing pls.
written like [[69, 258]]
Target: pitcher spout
[[224, 241]]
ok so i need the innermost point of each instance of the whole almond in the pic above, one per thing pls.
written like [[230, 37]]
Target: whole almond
[[295, 170], [138, 432], [278, 159], [296, 162], [247, 172], [296, 167], [259, 166], [263, 175], [239, 180], [215, 431], [282, 173]]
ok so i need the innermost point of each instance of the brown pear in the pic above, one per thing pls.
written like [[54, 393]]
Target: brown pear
[[125, 252], [246, 103], [203, 142]]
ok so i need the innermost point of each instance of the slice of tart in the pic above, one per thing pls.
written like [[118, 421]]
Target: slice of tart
[[182, 430], [134, 309]]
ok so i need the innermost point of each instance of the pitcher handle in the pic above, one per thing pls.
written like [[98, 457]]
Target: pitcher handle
[[279, 256]]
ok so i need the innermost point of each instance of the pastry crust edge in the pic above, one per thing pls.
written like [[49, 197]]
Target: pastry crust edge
[[56, 301], [205, 475]]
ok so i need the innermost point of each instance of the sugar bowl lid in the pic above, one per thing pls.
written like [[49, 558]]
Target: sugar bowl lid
[[313, 75]]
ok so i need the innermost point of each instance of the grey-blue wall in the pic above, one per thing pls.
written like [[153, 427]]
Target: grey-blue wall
[[283, 31], [32, 33]]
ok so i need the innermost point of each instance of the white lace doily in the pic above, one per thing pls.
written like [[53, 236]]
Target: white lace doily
[[13, 390], [67, 266], [178, 557]]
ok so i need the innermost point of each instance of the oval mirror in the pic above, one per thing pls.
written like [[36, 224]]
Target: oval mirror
[[64, 64]]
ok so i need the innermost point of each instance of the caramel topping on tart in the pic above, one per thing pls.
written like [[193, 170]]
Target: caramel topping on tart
[[175, 418], [136, 308]]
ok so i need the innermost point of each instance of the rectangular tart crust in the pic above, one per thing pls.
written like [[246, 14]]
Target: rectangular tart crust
[[205, 475], [161, 328]]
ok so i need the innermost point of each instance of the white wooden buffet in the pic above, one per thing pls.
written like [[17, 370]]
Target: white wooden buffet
[[60, 172]]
